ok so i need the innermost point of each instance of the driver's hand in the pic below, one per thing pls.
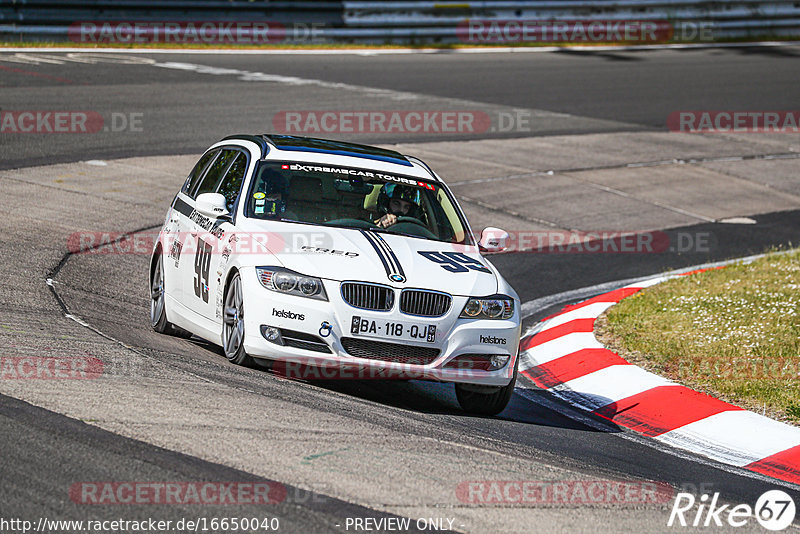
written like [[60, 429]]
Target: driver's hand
[[387, 220]]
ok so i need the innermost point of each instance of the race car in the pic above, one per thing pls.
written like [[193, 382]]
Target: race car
[[298, 251]]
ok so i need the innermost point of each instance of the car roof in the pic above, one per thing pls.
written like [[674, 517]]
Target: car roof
[[318, 150]]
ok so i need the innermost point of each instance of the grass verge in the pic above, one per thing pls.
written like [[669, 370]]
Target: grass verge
[[733, 333]]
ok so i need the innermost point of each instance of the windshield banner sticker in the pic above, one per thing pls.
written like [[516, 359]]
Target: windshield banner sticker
[[358, 172]]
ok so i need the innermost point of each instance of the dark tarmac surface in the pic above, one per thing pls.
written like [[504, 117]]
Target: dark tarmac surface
[[172, 409]]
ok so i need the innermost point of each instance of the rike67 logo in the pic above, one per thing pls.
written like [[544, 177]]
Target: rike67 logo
[[774, 510]]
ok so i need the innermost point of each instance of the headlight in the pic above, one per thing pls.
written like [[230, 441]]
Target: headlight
[[291, 283], [494, 307]]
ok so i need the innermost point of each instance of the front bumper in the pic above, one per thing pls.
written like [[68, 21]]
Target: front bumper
[[330, 323]]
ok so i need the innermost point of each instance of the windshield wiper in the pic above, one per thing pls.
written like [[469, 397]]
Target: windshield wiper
[[345, 226]]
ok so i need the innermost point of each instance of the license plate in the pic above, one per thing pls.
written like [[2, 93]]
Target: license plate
[[401, 331]]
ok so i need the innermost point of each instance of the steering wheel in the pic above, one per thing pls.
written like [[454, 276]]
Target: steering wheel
[[412, 220]]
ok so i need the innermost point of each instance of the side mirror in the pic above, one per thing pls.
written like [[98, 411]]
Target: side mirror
[[493, 240], [212, 205]]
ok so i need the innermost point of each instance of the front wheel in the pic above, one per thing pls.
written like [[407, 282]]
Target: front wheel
[[485, 400], [233, 324]]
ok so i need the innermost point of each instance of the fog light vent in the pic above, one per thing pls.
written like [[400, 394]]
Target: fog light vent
[[271, 334]]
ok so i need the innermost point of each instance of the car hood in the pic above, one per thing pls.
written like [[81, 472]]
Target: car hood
[[395, 260]]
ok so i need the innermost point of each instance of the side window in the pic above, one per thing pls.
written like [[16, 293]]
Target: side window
[[232, 183], [197, 172], [215, 172]]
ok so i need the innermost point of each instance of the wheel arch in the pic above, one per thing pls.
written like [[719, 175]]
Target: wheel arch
[[233, 271], [154, 260]]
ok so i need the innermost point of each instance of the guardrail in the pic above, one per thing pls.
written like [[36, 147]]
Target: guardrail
[[427, 13], [724, 19], [410, 21]]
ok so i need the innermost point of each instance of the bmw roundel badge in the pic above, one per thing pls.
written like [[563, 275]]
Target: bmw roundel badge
[[397, 278]]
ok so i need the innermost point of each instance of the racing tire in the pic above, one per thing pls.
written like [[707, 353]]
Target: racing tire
[[485, 400], [158, 304], [233, 324]]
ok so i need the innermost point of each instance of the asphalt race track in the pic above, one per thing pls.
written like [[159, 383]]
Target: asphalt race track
[[593, 155], [184, 111]]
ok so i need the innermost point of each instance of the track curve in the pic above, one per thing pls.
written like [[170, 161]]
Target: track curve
[[397, 448]]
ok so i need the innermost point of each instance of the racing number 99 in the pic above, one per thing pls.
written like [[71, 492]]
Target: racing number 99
[[455, 262], [202, 265]]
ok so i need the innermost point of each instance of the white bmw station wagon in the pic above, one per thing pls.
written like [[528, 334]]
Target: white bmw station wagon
[[333, 255]]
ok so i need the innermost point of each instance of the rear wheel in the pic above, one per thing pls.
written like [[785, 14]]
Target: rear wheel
[[485, 400], [158, 311], [233, 324]]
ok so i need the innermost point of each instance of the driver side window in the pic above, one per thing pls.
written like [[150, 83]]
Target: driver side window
[[197, 171]]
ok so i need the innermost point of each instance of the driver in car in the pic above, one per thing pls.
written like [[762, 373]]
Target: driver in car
[[397, 201]]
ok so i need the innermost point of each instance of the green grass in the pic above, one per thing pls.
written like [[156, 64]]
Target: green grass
[[733, 333]]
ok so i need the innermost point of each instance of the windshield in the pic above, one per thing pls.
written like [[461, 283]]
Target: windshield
[[354, 198]]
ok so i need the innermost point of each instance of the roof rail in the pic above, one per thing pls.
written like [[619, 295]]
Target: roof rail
[[257, 139]]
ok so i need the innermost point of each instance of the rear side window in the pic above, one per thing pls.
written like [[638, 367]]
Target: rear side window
[[197, 172], [215, 172], [232, 183]]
